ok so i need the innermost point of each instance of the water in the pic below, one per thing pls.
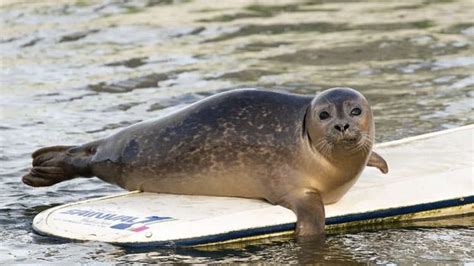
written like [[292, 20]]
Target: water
[[73, 71]]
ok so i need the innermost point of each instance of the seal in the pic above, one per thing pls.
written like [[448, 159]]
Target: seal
[[296, 151]]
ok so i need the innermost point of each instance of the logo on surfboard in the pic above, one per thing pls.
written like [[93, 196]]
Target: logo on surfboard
[[126, 222]]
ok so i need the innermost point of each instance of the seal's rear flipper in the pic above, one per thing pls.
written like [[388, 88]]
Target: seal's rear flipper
[[377, 161], [55, 164]]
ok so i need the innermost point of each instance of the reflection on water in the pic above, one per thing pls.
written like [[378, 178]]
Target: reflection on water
[[72, 71]]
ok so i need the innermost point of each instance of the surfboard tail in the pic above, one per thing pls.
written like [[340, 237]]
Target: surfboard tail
[[55, 164]]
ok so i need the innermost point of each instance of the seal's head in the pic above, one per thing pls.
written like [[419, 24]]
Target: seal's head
[[339, 121]]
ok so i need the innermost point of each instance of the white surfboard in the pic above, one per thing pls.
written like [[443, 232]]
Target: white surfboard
[[430, 176]]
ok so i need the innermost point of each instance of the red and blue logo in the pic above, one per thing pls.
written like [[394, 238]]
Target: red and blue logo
[[126, 222], [141, 225]]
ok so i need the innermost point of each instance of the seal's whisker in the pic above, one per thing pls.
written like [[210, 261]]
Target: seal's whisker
[[364, 144], [324, 147]]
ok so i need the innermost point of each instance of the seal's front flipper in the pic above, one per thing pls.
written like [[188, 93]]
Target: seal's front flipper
[[309, 209], [376, 160], [55, 164]]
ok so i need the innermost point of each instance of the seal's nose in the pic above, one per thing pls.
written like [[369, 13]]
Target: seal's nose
[[341, 127]]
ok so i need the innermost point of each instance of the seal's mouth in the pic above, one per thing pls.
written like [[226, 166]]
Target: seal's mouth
[[347, 143], [350, 140]]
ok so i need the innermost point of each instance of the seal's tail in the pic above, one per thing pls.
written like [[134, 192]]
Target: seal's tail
[[55, 164]]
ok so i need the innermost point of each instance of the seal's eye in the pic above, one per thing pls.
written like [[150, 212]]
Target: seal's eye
[[356, 111], [324, 115]]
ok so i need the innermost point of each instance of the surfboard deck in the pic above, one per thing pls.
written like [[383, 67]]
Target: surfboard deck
[[431, 176]]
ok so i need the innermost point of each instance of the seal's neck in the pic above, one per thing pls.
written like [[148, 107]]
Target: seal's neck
[[306, 136]]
